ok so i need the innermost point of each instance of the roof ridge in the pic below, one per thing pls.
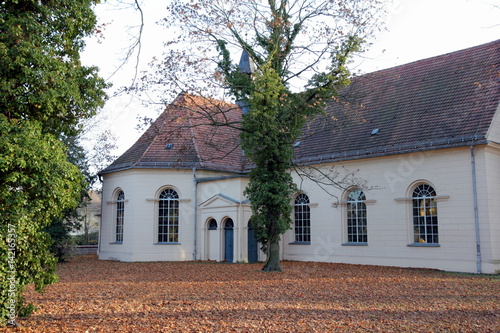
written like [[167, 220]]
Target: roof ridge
[[431, 58]]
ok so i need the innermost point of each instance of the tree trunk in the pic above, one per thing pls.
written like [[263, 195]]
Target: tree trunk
[[273, 258]]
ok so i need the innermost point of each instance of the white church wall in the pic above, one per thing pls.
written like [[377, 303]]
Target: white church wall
[[489, 199], [493, 134], [142, 188], [388, 189], [232, 187], [108, 247], [390, 231], [215, 238]]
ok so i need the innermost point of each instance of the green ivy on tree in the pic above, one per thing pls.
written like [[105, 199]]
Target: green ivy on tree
[[268, 132], [298, 50], [266, 140]]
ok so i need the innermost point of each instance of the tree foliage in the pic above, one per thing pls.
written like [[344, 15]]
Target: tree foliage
[[264, 141], [45, 92], [70, 220], [41, 76], [37, 184], [300, 50]]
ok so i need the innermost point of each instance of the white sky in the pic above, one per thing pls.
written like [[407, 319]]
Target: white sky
[[417, 29]]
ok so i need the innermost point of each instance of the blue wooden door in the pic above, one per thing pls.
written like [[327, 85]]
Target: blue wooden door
[[252, 245], [229, 241]]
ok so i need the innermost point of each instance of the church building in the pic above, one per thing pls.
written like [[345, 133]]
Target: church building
[[401, 169]]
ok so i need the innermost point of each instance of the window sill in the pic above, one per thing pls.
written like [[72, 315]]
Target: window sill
[[116, 243], [300, 243], [167, 243], [424, 245], [355, 244]]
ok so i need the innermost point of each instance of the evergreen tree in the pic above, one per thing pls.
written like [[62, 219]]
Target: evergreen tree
[[44, 94], [37, 184]]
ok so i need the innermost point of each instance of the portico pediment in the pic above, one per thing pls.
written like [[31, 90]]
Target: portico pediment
[[220, 200]]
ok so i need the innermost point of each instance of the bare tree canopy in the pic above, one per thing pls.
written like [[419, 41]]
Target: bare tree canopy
[[309, 33], [295, 58]]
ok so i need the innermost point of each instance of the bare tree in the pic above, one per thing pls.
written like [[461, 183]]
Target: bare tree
[[296, 55]]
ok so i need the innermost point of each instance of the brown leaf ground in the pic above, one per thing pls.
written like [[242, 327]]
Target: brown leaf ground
[[105, 296]]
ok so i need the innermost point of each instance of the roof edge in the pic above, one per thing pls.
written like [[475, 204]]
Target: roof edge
[[392, 150], [170, 165]]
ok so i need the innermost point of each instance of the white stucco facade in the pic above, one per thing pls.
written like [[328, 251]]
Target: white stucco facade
[[388, 184], [415, 151], [390, 181], [202, 196]]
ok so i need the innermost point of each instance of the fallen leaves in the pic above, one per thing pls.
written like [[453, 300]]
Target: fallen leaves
[[106, 296]]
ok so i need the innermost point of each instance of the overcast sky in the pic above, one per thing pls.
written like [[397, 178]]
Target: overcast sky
[[417, 29], [420, 29]]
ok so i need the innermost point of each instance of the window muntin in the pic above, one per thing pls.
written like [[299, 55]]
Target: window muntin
[[168, 217], [425, 218], [120, 216], [302, 218], [356, 217]]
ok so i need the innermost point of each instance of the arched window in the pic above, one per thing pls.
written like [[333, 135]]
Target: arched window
[[168, 217], [229, 224], [120, 216], [356, 217], [212, 224], [425, 218], [302, 218]]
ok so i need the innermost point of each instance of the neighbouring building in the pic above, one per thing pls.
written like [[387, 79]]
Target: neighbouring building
[[416, 149], [89, 216]]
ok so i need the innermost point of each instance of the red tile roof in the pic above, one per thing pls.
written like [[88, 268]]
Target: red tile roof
[[191, 132], [444, 101], [440, 102]]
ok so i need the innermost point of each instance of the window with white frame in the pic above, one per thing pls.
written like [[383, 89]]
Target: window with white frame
[[168, 217], [425, 218], [120, 216], [302, 219], [356, 217]]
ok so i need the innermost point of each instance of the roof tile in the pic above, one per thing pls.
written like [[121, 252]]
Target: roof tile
[[443, 101]]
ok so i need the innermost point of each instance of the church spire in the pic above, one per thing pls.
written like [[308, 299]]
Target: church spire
[[246, 64], [247, 67]]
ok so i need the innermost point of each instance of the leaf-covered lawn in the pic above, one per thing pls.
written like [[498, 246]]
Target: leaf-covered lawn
[[105, 296]]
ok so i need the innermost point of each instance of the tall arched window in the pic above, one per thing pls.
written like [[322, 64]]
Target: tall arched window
[[302, 218], [425, 218], [356, 217], [168, 217], [120, 216]]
